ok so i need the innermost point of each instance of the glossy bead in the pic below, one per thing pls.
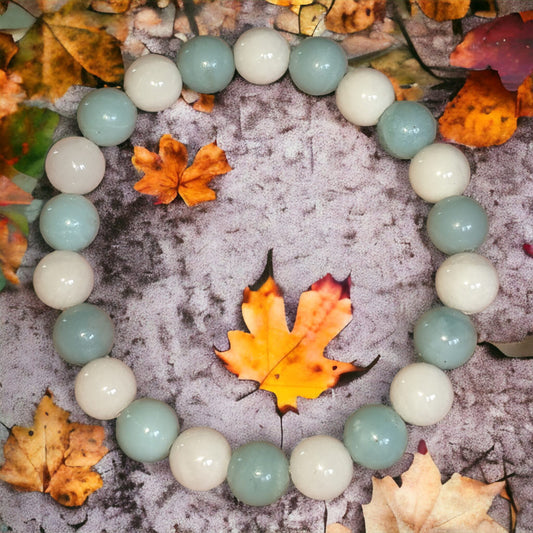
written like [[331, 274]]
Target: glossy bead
[[421, 394], [444, 337], [199, 458], [375, 436], [467, 281], [83, 333], [62, 279], [206, 64], [15, 17], [153, 82], [362, 96], [75, 165], [107, 116], [258, 473], [104, 387], [321, 467], [439, 170], [457, 224], [317, 65], [69, 222], [261, 55], [146, 429], [405, 128]]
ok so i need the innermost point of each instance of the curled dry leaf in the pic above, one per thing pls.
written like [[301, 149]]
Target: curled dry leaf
[[349, 16], [523, 348], [441, 10]]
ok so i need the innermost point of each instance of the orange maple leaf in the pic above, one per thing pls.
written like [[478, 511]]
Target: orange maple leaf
[[167, 175], [291, 363]]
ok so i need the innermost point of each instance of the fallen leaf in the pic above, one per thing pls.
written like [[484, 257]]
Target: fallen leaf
[[110, 6], [528, 248], [290, 363], [287, 3], [337, 528], [482, 113], [11, 93], [8, 49], [13, 245], [524, 98], [167, 175], [205, 103], [349, 16], [441, 10], [311, 19], [503, 44], [523, 348], [39, 458], [11, 194], [423, 503]]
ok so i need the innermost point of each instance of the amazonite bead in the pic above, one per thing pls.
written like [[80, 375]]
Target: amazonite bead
[[107, 116], [258, 473], [457, 224], [146, 429], [317, 65], [15, 18], [206, 64], [82, 333], [375, 436], [445, 337], [405, 128], [69, 222]]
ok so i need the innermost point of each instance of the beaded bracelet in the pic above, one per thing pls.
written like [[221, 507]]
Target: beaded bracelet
[[375, 436]]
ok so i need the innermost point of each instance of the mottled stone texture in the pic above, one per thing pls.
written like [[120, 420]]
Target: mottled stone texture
[[325, 198]]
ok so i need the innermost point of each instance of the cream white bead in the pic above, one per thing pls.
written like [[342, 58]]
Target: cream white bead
[[321, 467], [199, 458], [62, 279], [439, 170], [261, 55], [421, 394], [467, 282], [363, 94], [105, 387], [75, 165], [153, 82]]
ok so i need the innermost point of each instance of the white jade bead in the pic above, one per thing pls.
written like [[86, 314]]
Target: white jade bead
[[261, 55], [363, 94], [439, 170], [467, 282], [75, 165], [62, 279], [105, 387], [199, 458], [321, 467], [153, 82], [421, 394]]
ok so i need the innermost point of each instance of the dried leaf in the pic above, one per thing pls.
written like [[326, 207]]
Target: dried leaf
[[13, 245], [422, 503], [349, 16], [11, 93], [288, 3], [205, 103], [166, 174], [37, 458], [503, 44], [523, 348], [11, 194], [110, 6], [290, 363], [8, 49], [482, 113], [337, 528], [310, 18], [524, 98], [444, 9]]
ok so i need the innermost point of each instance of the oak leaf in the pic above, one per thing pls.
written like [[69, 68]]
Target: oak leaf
[[290, 363], [166, 174], [423, 503], [441, 10], [54, 455]]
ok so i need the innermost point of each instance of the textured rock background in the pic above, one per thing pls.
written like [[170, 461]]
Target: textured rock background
[[325, 198]]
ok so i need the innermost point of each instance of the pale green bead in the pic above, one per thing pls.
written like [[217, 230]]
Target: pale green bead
[[146, 430], [15, 18]]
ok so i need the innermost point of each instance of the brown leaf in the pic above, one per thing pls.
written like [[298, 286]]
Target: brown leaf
[[524, 98], [205, 103], [444, 9], [11, 93], [8, 49], [72, 485], [110, 6], [349, 16], [13, 245], [311, 19], [11, 194]]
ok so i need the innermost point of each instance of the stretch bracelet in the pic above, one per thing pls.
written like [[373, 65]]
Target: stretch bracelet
[[147, 430]]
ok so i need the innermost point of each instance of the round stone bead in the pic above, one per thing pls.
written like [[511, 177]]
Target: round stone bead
[[62, 279], [258, 473], [105, 387], [75, 165], [439, 170], [261, 55], [405, 128], [317, 65], [83, 333], [444, 337], [153, 82], [321, 467], [206, 64], [363, 95], [107, 116], [467, 281], [199, 458], [69, 222], [421, 394], [457, 224], [375, 436], [146, 429]]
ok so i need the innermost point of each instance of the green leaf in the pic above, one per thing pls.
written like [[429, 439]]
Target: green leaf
[[17, 218]]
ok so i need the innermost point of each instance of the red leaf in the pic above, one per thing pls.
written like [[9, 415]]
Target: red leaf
[[528, 248]]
